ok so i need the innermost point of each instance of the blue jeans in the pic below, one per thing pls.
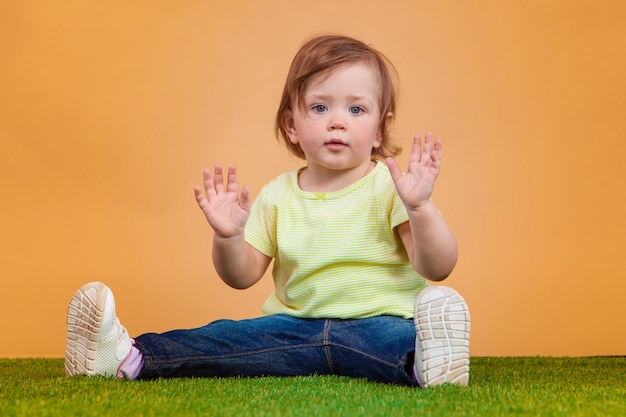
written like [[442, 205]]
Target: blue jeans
[[380, 349]]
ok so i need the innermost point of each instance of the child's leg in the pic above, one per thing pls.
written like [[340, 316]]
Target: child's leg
[[380, 349], [276, 345], [97, 344], [429, 350], [442, 324]]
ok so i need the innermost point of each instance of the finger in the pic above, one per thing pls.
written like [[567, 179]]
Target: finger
[[416, 149], [428, 145], [218, 179], [209, 188], [203, 203], [437, 150], [244, 201], [232, 179], [394, 169], [198, 194]]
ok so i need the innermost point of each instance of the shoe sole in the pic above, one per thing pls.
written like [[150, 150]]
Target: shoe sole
[[442, 325], [84, 319]]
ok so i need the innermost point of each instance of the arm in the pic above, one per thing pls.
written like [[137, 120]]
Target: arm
[[429, 242], [237, 263]]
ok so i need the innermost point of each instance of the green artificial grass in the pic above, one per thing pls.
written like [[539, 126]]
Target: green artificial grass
[[498, 387]]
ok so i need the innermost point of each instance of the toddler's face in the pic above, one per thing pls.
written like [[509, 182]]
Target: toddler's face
[[337, 125]]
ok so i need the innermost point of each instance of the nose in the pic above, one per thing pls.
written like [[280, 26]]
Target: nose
[[336, 121]]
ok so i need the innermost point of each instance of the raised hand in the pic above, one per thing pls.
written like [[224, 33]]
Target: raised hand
[[226, 211], [416, 185]]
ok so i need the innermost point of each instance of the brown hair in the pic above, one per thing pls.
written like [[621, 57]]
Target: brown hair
[[320, 56]]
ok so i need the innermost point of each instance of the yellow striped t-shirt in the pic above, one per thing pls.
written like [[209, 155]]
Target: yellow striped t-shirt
[[336, 255]]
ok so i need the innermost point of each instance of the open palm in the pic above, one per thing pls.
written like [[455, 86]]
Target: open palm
[[223, 207], [416, 185]]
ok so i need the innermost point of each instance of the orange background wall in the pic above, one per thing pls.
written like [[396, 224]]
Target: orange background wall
[[109, 110]]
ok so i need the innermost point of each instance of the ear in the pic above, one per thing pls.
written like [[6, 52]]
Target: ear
[[388, 121], [290, 126], [387, 125]]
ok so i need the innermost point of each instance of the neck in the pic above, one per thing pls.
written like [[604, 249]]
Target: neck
[[314, 179]]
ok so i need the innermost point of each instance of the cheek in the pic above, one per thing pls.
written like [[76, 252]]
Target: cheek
[[306, 129], [373, 132]]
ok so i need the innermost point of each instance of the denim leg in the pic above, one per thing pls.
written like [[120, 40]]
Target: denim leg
[[276, 345], [379, 349]]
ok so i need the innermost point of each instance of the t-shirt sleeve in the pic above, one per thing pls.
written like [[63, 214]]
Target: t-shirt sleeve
[[260, 231], [398, 214]]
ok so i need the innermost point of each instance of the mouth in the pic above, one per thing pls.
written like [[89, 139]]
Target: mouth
[[335, 144]]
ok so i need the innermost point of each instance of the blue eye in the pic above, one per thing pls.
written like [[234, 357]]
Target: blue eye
[[320, 108], [356, 110]]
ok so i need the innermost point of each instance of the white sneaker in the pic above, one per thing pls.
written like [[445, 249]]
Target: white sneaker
[[96, 341], [442, 324]]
